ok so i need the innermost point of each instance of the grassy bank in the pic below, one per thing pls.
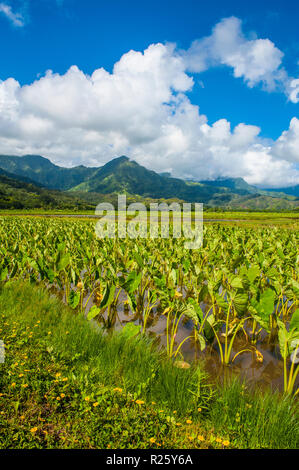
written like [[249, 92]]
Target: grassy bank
[[66, 384]]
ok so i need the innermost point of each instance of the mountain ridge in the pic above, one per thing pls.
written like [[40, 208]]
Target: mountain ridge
[[123, 175], [43, 171]]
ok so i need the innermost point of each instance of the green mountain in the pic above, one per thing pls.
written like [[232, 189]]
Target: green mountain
[[42, 171], [6, 175], [89, 186], [123, 175], [291, 191], [236, 185], [21, 193]]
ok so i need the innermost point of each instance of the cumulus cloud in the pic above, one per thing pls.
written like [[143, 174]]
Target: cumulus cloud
[[287, 146], [17, 18], [254, 60], [257, 61], [142, 109]]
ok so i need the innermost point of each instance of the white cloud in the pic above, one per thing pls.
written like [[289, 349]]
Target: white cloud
[[17, 18], [294, 90], [287, 146], [255, 60], [142, 110]]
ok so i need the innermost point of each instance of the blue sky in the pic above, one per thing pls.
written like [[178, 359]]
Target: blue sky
[[38, 35]]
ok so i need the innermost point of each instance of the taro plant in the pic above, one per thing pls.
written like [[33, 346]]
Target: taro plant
[[172, 325], [262, 311], [289, 347], [237, 271]]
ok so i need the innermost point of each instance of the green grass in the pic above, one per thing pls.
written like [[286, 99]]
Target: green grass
[[66, 384], [258, 420]]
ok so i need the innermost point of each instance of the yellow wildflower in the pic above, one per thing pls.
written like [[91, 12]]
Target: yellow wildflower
[[139, 402], [225, 443], [178, 295], [201, 438], [33, 430]]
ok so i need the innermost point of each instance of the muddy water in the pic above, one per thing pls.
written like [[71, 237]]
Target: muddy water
[[259, 374]]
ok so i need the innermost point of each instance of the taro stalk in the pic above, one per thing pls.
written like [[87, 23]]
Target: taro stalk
[[236, 305], [62, 261], [106, 303], [289, 346], [292, 296], [172, 325], [130, 285], [77, 297], [231, 328], [152, 301], [136, 295], [287, 291], [137, 283], [214, 287], [253, 274], [195, 313], [175, 312]]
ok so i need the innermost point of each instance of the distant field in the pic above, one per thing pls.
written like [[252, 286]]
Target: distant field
[[235, 215], [288, 220]]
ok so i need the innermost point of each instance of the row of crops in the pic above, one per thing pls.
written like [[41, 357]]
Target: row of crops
[[243, 282]]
